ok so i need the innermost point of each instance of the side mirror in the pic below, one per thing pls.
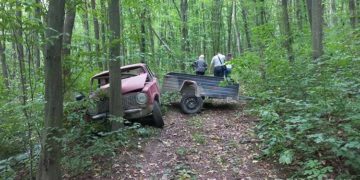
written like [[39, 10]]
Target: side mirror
[[79, 97]]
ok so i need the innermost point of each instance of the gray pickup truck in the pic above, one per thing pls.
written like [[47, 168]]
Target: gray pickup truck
[[194, 89]]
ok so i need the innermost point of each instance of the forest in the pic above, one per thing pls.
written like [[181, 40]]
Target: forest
[[298, 61]]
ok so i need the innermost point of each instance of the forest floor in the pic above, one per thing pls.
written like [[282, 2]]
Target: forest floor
[[218, 143]]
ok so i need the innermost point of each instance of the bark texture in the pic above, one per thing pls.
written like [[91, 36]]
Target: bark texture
[[352, 9], [317, 28], [287, 30], [49, 165], [66, 51], [97, 34], [244, 14], [116, 107], [185, 45], [4, 65]]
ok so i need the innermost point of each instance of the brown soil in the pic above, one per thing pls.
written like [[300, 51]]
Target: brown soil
[[218, 143]]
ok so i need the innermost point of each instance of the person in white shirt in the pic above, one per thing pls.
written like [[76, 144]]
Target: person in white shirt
[[218, 64]]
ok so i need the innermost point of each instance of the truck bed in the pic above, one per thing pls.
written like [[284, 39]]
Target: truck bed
[[209, 86]]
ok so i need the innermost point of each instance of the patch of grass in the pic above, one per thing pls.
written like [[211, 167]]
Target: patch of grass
[[220, 159], [146, 132], [196, 122], [168, 98], [198, 138], [183, 172], [181, 151]]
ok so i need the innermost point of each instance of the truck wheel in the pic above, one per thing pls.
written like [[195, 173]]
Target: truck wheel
[[191, 104], [156, 116]]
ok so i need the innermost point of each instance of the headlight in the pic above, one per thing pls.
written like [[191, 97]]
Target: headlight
[[141, 98]]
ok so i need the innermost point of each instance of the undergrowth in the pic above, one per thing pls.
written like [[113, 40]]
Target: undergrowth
[[309, 110]]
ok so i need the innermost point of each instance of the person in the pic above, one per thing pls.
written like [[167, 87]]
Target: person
[[218, 64], [200, 65], [228, 65]]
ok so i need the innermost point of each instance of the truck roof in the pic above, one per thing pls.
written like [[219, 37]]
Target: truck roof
[[103, 73]]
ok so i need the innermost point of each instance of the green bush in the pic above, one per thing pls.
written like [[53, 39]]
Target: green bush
[[309, 110]]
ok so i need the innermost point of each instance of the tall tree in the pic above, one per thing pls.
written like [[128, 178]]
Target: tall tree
[[4, 66], [36, 34], [116, 106], [143, 35], [333, 20], [68, 31], [216, 25], [299, 14], [104, 48], [185, 45], [20, 51], [287, 30], [87, 27], [229, 26], [236, 29], [97, 33], [49, 165], [352, 9], [309, 10], [317, 28], [244, 14]]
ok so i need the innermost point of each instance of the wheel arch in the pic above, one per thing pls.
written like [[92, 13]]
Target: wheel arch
[[190, 87]]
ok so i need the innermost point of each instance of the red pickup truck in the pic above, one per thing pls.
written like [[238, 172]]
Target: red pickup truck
[[141, 94]]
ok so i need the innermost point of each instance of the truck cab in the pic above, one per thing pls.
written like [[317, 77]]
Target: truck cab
[[140, 94]]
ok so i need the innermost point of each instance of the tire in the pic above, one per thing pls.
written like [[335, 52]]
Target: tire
[[157, 119], [190, 104]]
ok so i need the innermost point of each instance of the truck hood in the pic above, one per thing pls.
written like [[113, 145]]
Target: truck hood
[[130, 84]]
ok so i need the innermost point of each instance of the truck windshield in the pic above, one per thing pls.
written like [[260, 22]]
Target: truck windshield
[[103, 79]]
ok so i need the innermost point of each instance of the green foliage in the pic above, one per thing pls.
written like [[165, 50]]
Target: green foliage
[[309, 110], [183, 172], [85, 143], [314, 169], [196, 122], [168, 98], [198, 138]]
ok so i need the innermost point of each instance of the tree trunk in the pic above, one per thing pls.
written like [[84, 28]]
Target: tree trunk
[[49, 165], [244, 13], [142, 36], [4, 64], [309, 10], [287, 31], [151, 37], [263, 19], [103, 37], [236, 29], [352, 9], [203, 39], [358, 11], [97, 34], [20, 53], [87, 30], [116, 106], [229, 24], [13, 63], [216, 26], [68, 30], [333, 13], [37, 48], [185, 46], [316, 28], [299, 15]]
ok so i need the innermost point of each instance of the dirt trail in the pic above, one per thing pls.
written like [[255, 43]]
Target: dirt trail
[[218, 143]]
